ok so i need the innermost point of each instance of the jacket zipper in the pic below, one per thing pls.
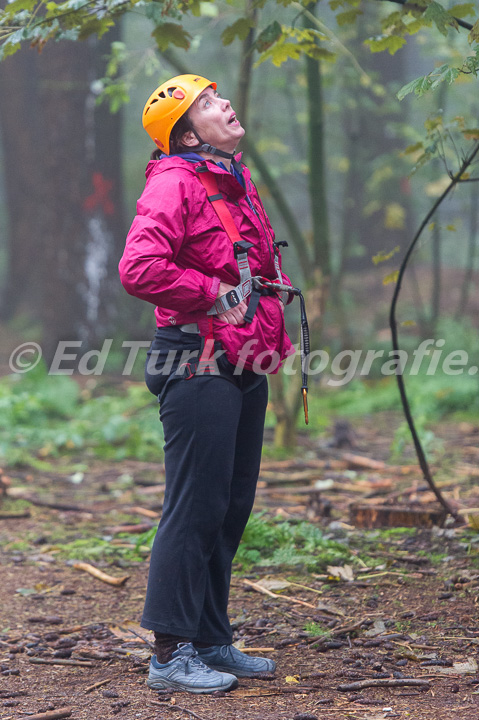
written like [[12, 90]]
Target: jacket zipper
[[266, 234]]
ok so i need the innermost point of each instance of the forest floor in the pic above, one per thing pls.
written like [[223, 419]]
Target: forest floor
[[400, 609]]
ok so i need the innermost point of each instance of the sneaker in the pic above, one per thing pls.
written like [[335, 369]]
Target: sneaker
[[185, 671], [227, 658]]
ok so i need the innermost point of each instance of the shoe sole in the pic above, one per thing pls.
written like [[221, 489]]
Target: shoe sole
[[242, 674], [159, 684]]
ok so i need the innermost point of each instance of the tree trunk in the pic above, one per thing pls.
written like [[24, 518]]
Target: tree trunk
[[471, 254], [246, 65], [62, 168], [23, 178]]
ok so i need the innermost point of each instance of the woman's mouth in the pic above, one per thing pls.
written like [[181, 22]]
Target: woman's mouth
[[233, 120]]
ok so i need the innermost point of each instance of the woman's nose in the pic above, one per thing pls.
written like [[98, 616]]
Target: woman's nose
[[226, 103]]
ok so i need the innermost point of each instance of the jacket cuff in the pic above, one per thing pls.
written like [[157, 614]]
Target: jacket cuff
[[212, 294]]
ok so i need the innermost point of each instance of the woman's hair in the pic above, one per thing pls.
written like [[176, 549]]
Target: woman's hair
[[181, 126]]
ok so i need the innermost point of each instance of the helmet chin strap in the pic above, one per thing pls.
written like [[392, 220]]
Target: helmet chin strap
[[210, 149]]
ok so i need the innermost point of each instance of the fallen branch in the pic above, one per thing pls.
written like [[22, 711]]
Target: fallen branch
[[263, 590], [336, 632], [100, 575], [90, 688], [131, 529], [145, 511], [71, 630], [60, 661], [52, 714], [15, 516], [44, 503], [144, 640], [190, 712], [386, 682], [253, 692], [257, 649]]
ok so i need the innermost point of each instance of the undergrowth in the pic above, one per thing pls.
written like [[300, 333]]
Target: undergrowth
[[45, 417], [280, 543]]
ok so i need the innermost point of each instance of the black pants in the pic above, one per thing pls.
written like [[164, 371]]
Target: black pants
[[213, 428]]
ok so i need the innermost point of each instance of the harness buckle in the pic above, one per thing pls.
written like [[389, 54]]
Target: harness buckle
[[241, 246], [187, 371]]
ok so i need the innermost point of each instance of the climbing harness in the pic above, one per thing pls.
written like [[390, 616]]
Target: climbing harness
[[249, 286]]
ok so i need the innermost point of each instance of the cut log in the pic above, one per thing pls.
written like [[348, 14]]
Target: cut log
[[374, 516]]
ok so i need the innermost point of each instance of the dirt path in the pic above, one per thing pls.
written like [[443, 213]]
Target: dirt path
[[410, 614]]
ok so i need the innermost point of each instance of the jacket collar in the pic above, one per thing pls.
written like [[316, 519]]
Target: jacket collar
[[191, 161]]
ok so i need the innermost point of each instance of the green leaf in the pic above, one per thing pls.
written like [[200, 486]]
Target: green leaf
[[391, 43], [471, 133], [279, 53], [317, 53], [391, 278], [238, 29], [474, 34], [463, 10], [444, 74], [17, 5], [348, 17], [382, 256], [413, 148], [418, 86], [268, 36], [95, 26], [171, 34], [437, 14], [335, 4]]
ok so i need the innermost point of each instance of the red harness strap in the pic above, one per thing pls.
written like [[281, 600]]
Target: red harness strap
[[209, 182]]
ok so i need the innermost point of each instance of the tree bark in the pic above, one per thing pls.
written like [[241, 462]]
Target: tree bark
[[62, 167]]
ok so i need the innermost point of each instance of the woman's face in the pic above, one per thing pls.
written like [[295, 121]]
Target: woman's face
[[215, 121]]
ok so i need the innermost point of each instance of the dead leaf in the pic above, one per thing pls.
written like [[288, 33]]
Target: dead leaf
[[378, 628], [273, 584], [123, 631], [469, 667], [341, 573], [292, 679], [330, 609]]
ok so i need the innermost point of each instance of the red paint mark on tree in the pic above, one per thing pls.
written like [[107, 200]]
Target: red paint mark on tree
[[100, 196], [405, 186]]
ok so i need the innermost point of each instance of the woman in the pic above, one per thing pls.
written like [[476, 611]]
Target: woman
[[199, 236]]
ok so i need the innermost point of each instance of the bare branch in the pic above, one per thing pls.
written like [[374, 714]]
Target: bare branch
[[394, 332]]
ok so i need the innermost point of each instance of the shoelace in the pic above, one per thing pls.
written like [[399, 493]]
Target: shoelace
[[226, 650], [189, 656]]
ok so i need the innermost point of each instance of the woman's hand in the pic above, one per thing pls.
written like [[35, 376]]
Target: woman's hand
[[235, 315]]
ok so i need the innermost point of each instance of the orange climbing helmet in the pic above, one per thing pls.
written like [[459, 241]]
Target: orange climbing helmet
[[168, 103]]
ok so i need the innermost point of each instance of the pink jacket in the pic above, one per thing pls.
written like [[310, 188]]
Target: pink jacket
[[177, 251]]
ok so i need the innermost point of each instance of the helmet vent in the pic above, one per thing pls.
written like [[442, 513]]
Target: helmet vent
[[161, 95], [171, 90]]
